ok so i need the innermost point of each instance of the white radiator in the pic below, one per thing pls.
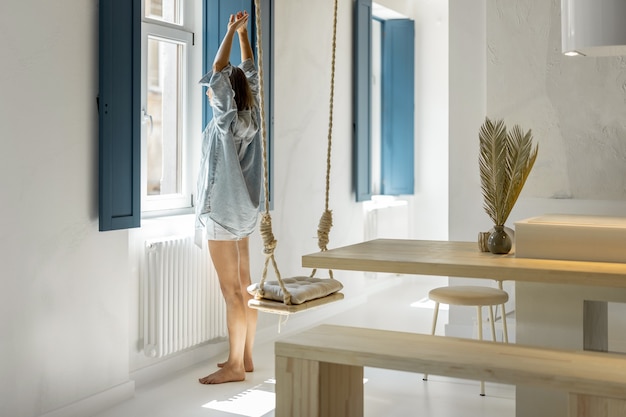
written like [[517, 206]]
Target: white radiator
[[182, 302]]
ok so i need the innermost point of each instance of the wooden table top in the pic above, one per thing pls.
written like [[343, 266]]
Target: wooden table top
[[465, 260]]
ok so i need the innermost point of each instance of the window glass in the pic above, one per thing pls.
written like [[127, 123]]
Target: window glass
[[164, 139], [165, 10]]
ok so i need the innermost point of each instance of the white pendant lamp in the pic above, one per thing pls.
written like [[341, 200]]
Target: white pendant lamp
[[593, 27]]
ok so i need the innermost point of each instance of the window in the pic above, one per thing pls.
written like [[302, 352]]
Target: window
[[155, 171], [167, 103], [383, 102], [168, 11]]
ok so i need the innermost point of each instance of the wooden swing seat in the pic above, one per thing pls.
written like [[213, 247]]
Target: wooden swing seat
[[304, 292]]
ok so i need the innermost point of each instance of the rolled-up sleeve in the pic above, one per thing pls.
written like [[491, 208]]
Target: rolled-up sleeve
[[252, 75], [223, 101]]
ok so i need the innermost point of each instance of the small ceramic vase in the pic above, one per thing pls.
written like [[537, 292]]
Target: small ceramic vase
[[499, 241]]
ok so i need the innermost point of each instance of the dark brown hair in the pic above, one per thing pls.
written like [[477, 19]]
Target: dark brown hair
[[243, 94]]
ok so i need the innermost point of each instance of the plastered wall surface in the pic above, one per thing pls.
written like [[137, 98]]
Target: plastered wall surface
[[575, 106]]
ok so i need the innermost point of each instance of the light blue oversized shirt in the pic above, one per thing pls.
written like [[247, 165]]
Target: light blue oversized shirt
[[230, 177]]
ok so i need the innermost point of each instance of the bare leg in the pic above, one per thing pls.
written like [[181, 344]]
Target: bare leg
[[251, 314], [225, 256]]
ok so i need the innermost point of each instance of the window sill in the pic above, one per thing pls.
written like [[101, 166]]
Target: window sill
[[168, 223], [157, 214]]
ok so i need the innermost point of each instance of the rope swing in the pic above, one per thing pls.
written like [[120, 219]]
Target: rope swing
[[291, 295], [326, 221]]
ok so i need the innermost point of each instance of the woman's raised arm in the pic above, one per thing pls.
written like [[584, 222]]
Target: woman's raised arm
[[235, 23]]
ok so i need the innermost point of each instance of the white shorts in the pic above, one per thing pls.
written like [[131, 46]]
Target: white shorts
[[216, 232]]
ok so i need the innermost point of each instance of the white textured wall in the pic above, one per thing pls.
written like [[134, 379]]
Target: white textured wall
[[302, 94], [467, 112], [575, 106], [512, 69], [63, 285]]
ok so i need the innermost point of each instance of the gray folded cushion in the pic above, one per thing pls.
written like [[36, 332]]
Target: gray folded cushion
[[302, 289]]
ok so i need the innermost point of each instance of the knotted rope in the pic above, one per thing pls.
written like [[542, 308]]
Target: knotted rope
[[269, 242], [326, 222]]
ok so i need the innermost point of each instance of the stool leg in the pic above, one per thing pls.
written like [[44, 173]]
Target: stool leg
[[493, 324], [505, 329], [435, 315], [479, 317], [432, 332], [480, 337]]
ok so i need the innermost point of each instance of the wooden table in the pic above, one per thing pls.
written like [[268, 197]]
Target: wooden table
[[559, 304], [463, 259]]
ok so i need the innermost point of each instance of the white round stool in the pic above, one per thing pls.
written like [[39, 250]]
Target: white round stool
[[472, 296]]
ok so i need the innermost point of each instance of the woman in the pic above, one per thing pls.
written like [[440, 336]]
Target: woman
[[229, 190]]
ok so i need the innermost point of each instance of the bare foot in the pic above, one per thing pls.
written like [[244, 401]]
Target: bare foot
[[248, 365], [225, 374]]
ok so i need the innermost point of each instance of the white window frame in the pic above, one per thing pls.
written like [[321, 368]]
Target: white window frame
[[183, 34]]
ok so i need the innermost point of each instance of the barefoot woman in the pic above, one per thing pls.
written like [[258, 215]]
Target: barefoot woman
[[229, 189]]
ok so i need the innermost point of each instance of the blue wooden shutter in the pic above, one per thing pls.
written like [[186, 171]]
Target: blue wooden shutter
[[362, 99], [397, 107], [119, 114]]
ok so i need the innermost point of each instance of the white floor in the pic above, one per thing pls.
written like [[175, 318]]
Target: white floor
[[387, 393]]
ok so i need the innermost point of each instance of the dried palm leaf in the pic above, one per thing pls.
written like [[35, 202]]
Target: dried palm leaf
[[505, 161]]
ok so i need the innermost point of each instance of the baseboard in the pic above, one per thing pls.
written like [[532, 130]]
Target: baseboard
[[96, 403], [617, 345], [178, 362]]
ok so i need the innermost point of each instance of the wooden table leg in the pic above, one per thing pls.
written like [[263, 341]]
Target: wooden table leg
[[297, 387], [596, 325], [591, 406], [306, 388], [341, 390]]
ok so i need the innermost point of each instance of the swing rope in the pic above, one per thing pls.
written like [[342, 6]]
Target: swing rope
[[325, 224], [326, 221]]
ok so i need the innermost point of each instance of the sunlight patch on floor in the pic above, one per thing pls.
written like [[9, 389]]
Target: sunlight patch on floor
[[255, 402], [428, 303]]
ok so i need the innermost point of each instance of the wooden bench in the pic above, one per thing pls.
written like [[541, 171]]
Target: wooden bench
[[319, 372]]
